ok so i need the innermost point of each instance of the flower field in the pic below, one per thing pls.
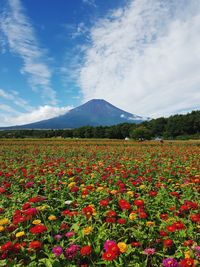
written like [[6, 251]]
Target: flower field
[[99, 203]]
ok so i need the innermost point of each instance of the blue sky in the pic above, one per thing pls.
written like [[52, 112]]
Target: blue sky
[[141, 55]]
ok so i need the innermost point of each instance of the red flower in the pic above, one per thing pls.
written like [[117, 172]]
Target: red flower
[[2, 190], [26, 206], [163, 233], [104, 202], [74, 189], [167, 243], [153, 193], [35, 245], [121, 221], [184, 208], [7, 246], [16, 248], [36, 199], [111, 220], [111, 213], [143, 215], [164, 216], [124, 205], [195, 217], [30, 211], [187, 263], [64, 226], [114, 248], [86, 250], [139, 202], [179, 225], [109, 256], [38, 229], [188, 243], [88, 211], [135, 244], [171, 228]]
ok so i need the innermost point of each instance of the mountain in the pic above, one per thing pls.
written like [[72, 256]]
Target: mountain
[[95, 112]]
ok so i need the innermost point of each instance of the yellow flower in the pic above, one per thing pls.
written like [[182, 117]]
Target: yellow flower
[[122, 247], [113, 192], [4, 221], [100, 188], [36, 222], [142, 186], [132, 216], [41, 208], [130, 193], [187, 254], [20, 234], [87, 230], [70, 185], [52, 218], [2, 228], [150, 224]]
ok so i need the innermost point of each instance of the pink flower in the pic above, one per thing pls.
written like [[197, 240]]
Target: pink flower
[[149, 251], [70, 252], [69, 234], [57, 251]]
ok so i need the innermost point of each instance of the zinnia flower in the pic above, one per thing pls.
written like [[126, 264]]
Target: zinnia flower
[[20, 234], [4, 221], [86, 250], [70, 252], [35, 222], [58, 237], [122, 247], [108, 244], [149, 251], [57, 251], [170, 262], [38, 229], [52, 218], [186, 263], [69, 234], [87, 230], [35, 245], [109, 256]]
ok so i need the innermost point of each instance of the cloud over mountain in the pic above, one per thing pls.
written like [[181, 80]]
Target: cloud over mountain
[[145, 57]]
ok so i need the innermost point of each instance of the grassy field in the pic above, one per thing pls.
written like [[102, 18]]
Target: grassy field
[[99, 203]]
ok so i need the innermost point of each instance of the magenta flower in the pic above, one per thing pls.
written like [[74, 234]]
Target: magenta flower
[[58, 237], [149, 251], [108, 244], [70, 252], [57, 251], [170, 262], [69, 234]]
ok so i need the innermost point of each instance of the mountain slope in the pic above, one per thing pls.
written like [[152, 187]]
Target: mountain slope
[[93, 113]]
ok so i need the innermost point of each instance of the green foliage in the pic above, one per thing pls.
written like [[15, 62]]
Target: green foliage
[[141, 133]]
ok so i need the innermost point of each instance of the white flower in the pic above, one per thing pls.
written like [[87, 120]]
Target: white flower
[[68, 202]]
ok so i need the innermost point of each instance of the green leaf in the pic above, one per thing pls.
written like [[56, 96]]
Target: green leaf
[[3, 262]]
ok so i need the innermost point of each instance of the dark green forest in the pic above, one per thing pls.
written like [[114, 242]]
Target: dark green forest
[[174, 127]]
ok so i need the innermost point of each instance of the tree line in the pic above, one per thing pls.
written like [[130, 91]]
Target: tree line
[[174, 127]]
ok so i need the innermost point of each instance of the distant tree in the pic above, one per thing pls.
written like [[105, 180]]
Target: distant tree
[[141, 132]]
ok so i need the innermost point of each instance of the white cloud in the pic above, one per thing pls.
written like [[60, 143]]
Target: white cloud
[[12, 117], [90, 2], [14, 98], [22, 41], [145, 58]]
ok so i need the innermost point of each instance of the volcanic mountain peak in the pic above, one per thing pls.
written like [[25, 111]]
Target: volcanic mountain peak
[[95, 112]]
